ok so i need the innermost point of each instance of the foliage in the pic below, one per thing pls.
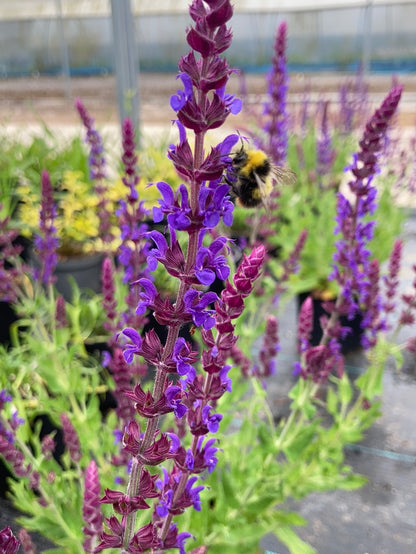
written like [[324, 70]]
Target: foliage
[[246, 494], [49, 372], [311, 206], [66, 161]]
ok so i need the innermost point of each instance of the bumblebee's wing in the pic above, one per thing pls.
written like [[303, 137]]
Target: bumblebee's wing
[[283, 175], [265, 190]]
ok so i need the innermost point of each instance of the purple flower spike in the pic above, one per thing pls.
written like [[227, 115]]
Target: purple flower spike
[[276, 126], [8, 542], [305, 324], [97, 165], [356, 275], [47, 242], [192, 252], [26, 542], [71, 438], [269, 349], [91, 511]]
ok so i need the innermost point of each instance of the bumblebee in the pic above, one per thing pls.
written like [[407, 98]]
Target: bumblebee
[[252, 175]]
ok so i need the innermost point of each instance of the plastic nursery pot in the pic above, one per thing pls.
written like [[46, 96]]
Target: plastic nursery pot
[[350, 342], [7, 313], [85, 270]]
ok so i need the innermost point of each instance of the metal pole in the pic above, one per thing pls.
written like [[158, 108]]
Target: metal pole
[[125, 61], [64, 51], [366, 52]]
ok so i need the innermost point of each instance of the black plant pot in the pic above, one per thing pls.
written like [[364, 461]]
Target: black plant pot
[[7, 314], [7, 318], [350, 342]]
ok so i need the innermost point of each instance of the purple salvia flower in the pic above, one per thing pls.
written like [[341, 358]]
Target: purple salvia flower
[[46, 242], [240, 360], [98, 174], [11, 268], [26, 542], [319, 362], [325, 154], [408, 314], [290, 266], [346, 109], [391, 280], [133, 251], [305, 324], [4, 398], [269, 349], [60, 313], [372, 322], [352, 254], [8, 542], [48, 446], [71, 438], [8, 426], [276, 126], [198, 204], [91, 510], [122, 375]]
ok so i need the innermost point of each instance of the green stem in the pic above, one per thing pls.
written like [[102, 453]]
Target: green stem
[[160, 378]]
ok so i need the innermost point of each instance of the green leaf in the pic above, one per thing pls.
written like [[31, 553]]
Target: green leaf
[[294, 543], [345, 390], [229, 493], [259, 505], [332, 402]]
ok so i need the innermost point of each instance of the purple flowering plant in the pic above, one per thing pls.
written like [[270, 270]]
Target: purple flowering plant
[[287, 459], [159, 470], [317, 144]]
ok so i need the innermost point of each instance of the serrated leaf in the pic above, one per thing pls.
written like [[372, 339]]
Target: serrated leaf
[[294, 543], [229, 493], [295, 448], [353, 482], [345, 390], [332, 402], [259, 505], [288, 518]]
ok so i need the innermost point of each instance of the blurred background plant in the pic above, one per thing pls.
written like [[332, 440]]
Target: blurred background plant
[[67, 162], [316, 139]]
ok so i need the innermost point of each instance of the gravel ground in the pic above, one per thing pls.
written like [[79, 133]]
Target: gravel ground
[[50, 99]]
